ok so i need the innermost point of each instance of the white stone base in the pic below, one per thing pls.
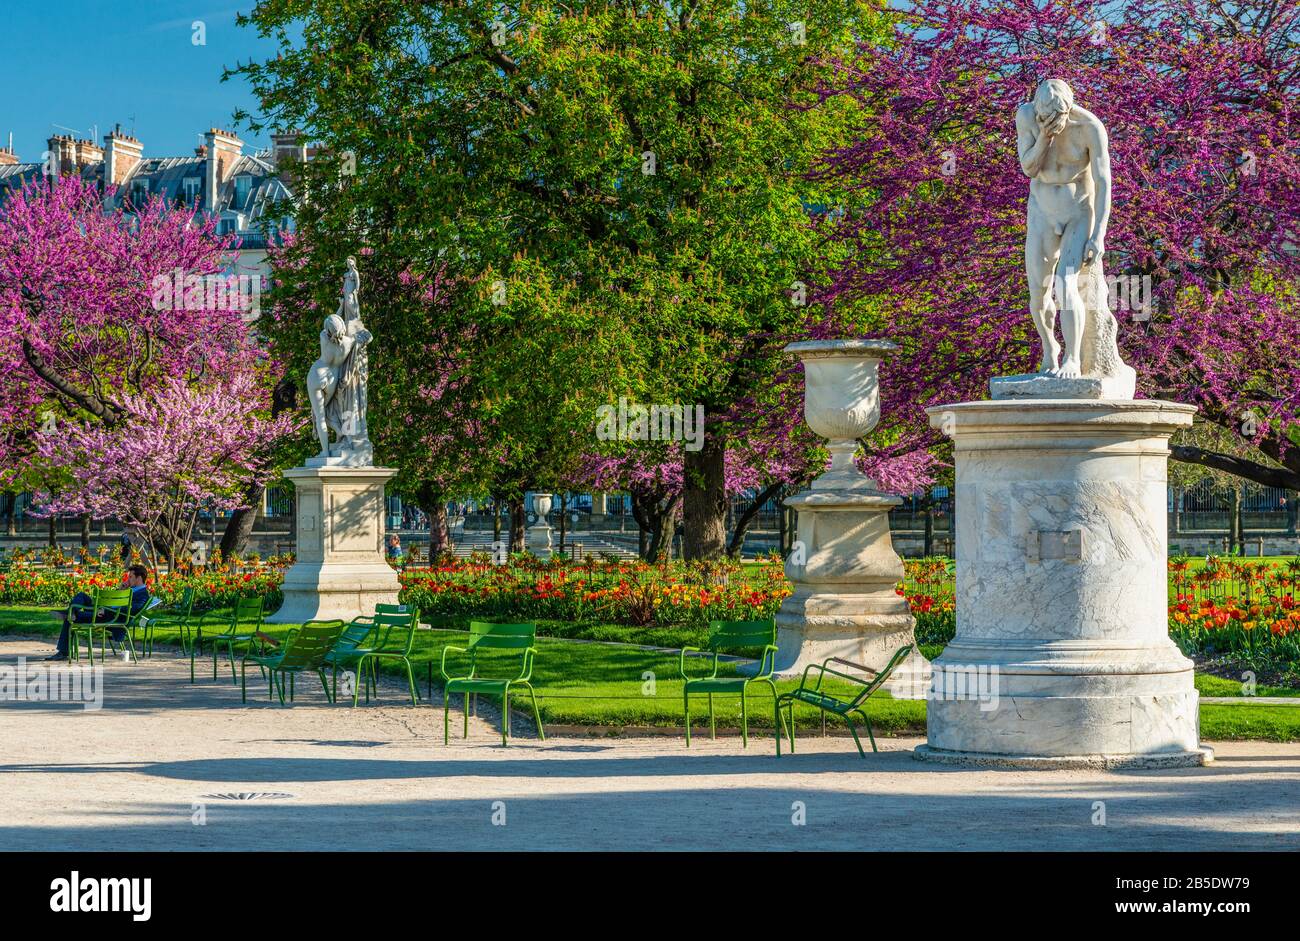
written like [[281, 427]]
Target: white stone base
[[1196, 758], [810, 638], [316, 591], [844, 571], [538, 541], [1062, 648], [1041, 386], [1063, 698], [339, 571]]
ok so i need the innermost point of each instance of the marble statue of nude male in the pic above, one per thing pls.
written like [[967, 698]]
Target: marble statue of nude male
[[1064, 151]]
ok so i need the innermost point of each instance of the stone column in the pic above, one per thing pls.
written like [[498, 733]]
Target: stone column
[[1062, 654], [843, 565], [340, 570]]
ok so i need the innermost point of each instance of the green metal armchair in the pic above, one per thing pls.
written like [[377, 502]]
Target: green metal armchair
[[486, 636], [246, 611], [367, 640], [814, 695], [731, 637], [172, 617], [302, 651], [116, 599]]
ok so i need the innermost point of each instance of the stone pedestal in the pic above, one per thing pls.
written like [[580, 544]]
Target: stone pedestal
[[844, 570], [1062, 653], [340, 570], [538, 537], [843, 567]]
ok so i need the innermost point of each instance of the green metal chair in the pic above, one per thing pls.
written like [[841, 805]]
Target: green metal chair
[[814, 696], [440, 622], [368, 661], [367, 638], [303, 650], [104, 598], [245, 611], [173, 617], [487, 636], [729, 637], [353, 643]]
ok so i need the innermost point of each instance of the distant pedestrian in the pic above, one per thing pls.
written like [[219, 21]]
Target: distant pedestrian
[[126, 546]]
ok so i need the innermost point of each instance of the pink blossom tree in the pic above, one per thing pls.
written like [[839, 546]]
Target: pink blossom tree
[[82, 321], [1201, 109], [174, 450]]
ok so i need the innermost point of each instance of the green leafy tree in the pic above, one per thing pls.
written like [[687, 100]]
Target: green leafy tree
[[621, 189]]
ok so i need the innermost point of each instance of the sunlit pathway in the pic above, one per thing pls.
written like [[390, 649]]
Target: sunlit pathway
[[157, 767]]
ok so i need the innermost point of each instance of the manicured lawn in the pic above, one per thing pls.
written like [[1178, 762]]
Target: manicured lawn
[[1256, 722], [32, 620], [1221, 686]]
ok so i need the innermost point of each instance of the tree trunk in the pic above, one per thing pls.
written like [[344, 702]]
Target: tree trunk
[[1241, 519], [240, 525], [85, 531], [433, 502], [496, 520], [564, 506], [743, 523], [1234, 522], [661, 520], [928, 549], [518, 523], [704, 501], [54, 538], [439, 531]]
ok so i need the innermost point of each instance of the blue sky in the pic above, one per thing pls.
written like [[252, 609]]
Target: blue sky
[[80, 63]]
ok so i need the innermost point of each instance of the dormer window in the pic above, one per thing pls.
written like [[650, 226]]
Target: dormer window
[[243, 186], [192, 187], [139, 193]]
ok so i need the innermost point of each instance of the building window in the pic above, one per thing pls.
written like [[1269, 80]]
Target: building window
[[192, 186], [243, 186], [139, 193]]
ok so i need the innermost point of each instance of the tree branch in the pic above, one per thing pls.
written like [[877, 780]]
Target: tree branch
[[1240, 467], [105, 411]]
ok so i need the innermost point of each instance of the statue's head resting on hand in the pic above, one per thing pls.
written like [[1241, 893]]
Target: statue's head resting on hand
[[1052, 99]]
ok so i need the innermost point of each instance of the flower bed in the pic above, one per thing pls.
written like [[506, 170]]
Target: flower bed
[[1230, 608], [614, 592], [38, 586], [930, 589]]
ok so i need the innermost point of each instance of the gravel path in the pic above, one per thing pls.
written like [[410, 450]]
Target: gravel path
[[142, 772]]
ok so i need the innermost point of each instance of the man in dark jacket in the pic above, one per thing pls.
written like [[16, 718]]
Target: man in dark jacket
[[134, 580]]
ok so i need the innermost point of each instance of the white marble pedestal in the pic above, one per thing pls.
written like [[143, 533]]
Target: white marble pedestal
[[340, 570], [1061, 590], [844, 568]]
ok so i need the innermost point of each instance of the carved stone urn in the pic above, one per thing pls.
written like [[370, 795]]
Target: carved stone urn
[[843, 567]]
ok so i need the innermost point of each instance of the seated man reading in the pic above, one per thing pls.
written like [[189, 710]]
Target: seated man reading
[[135, 576]]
